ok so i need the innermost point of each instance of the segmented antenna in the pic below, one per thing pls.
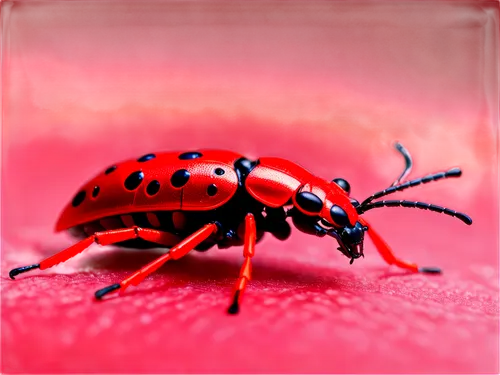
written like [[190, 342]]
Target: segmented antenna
[[454, 172], [408, 163], [410, 204]]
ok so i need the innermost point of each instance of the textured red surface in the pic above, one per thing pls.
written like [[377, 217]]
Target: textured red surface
[[330, 85]]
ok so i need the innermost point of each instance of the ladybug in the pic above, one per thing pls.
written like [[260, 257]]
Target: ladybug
[[200, 199]]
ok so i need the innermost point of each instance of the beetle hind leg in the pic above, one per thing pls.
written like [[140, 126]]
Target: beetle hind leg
[[176, 252], [101, 238]]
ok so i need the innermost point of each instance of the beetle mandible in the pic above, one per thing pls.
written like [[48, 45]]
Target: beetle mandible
[[195, 200]]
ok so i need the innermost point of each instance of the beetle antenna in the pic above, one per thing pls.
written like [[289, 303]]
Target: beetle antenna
[[453, 172], [423, 206], [408, 163]]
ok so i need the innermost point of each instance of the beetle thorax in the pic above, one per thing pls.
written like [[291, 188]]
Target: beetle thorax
[[326, 200]]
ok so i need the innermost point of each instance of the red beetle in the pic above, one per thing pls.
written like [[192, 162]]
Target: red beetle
[[195, 200]]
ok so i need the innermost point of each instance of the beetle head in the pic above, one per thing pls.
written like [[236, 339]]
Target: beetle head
[[350, 239], [336, 213]]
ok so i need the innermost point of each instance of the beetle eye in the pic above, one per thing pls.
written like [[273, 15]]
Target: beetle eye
[[354, 202], [309, 202], [343, 184], [339, 216]]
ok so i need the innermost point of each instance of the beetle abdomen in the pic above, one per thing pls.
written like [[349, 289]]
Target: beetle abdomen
[[188, 181]]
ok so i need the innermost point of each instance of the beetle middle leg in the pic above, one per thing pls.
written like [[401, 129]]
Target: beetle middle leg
[[246, 268]]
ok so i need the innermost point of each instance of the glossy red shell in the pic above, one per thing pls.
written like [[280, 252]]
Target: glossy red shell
[[114, 199], [274, 181]]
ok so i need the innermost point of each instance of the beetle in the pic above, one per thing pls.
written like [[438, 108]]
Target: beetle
[[195, 200]]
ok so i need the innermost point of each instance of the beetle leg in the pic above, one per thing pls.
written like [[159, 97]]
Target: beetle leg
[[102, 238], [176, 252], [387, 254], [246, 268]]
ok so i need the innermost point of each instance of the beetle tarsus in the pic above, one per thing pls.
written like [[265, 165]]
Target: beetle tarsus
[[234, 309], [17, 271], [102, 292], [235, 306], [429, 270]]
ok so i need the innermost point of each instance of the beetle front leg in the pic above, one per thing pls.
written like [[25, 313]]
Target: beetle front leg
[[387, 254]]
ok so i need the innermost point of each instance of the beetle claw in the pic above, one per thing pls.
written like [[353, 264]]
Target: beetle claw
[[429, 270], [102, 292], [17, 271]]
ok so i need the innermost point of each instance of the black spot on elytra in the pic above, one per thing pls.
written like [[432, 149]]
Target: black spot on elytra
[[212, 190], [180, 178], [134, 180], [96, 191], [190, 155], [153, 187], [78, 199], [309, 202], [146, 157], [110, 169], [219, 171]]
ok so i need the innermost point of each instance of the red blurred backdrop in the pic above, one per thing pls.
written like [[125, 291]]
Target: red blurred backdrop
[[328, 84]]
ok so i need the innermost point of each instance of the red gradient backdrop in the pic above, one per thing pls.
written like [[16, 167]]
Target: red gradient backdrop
[[330, 85]]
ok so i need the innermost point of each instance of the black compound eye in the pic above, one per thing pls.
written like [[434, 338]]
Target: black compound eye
[[339, 216], [343, 184], [309, 202]]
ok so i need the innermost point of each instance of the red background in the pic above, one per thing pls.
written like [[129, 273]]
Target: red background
[[330, 85]]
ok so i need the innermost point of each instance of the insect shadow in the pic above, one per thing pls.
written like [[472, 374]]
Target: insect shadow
[[221, 269], [209, 270]]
